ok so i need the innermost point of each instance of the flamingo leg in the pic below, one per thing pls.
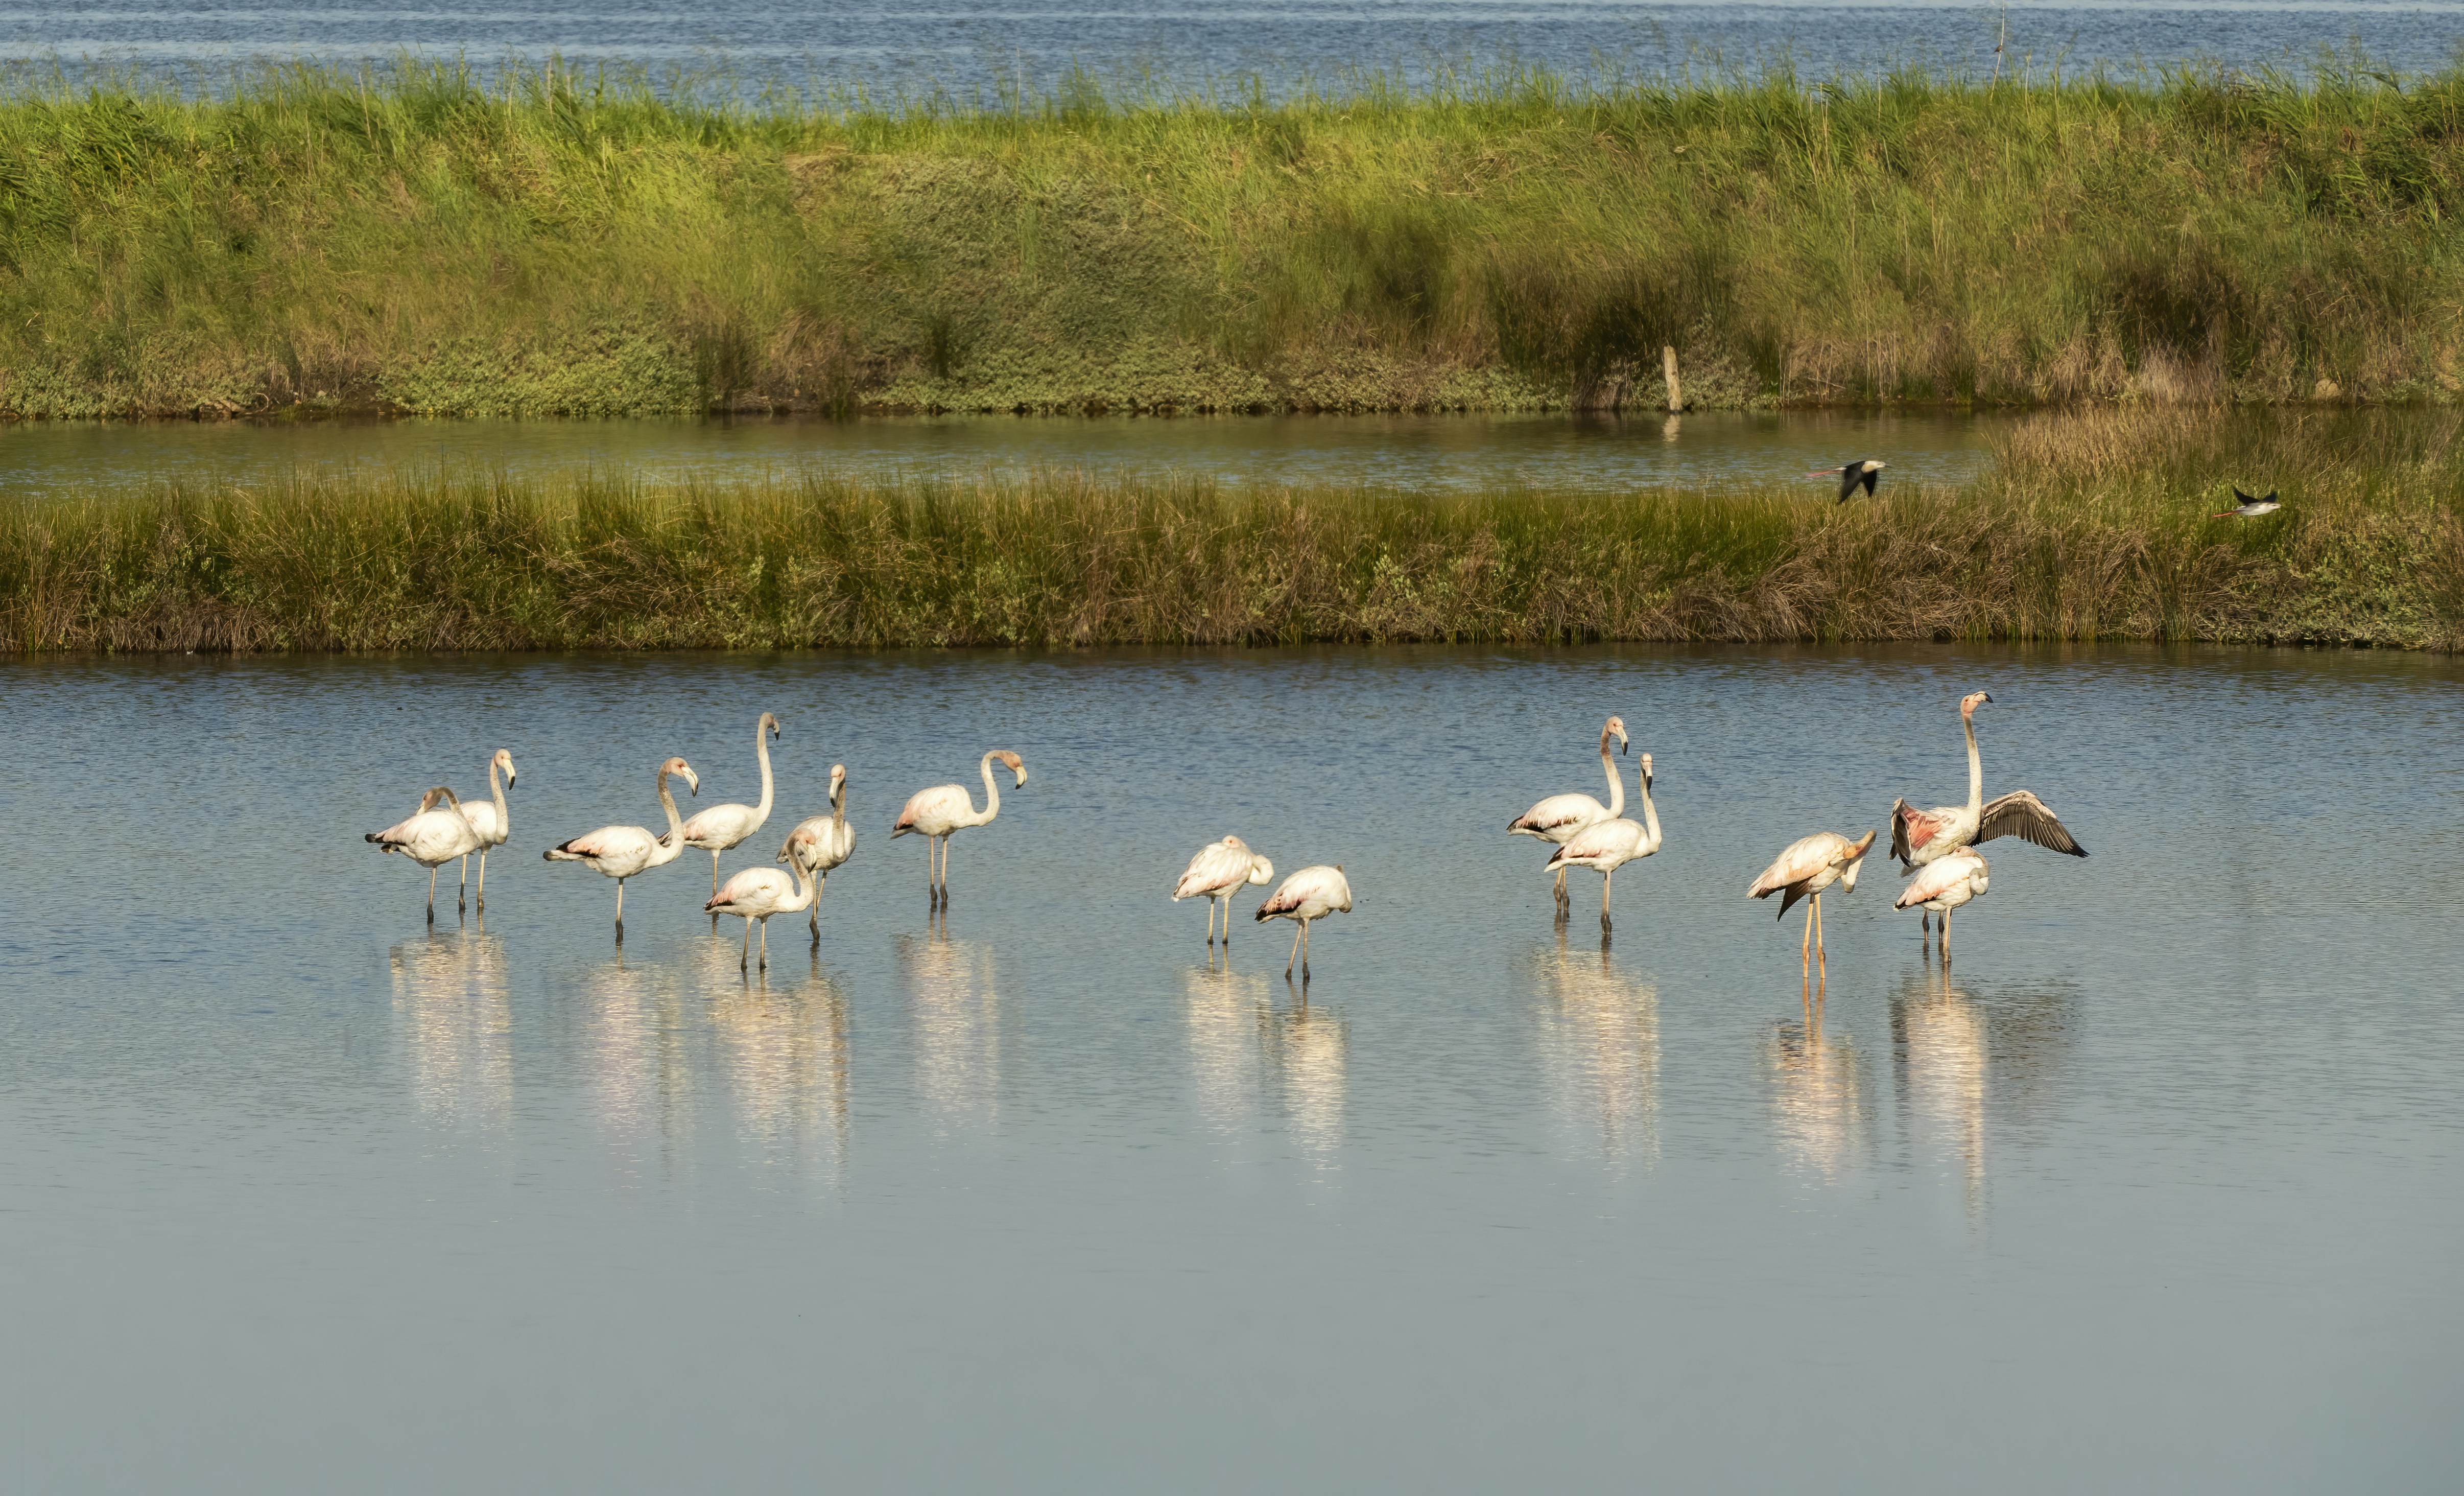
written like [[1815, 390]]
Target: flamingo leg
[[1805, 942], [765, 943], [432, 895], [483, 877], [819, 883], [745, 954], [1607, 878], [462, 895], [714, 874], [1561, 883], [1304, 924], [1945, 934], [1296, 947], [1820, 956], [945, 870], [620, 908]]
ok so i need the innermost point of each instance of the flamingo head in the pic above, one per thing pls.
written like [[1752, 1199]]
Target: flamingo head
[[504, 759], [1616, 729], [1017, 765], [1261, 870], [1857, 851], [1967, 704], [770, 724], [1646, 771], [838, 781], [677, 765]]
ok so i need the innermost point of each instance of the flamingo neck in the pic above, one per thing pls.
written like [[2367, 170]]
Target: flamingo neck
[[838, 804], [805, 889], [1616, 784], [675, 837], [1650, 816], [497, 788], [992, 797], [761, 751], [1975, 768]]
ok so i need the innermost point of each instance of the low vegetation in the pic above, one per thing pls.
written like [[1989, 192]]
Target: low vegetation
[[2088, 527], [553, 243]]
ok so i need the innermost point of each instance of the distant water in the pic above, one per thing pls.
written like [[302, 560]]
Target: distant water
[[981, 47]]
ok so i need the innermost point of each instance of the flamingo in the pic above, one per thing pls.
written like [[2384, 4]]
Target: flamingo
[[821, 842], [720, 827], [1921, 837], [1557, 818], [1310, 893], [1809, 866], [1610, 845], [490, 821], [1943, 886], [1221, 870], [625, 851], [759, 892], [935, 813], [431, 837]]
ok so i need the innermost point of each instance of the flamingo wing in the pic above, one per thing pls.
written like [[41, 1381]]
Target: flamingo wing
[[941, 805], [1558, 817], [755, 891], [720, 826], [1912, 830], [2023, 814], [1935, 879], [1802, 860], [1217, 866]]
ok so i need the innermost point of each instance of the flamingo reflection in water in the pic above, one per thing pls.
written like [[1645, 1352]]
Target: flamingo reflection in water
[[1820, 1106], [784, 1050], [642, 1082], [957, 1008], [1599, 1046], [452, 997], [1229, 1017], [1968, 1067], [1312, 1050]]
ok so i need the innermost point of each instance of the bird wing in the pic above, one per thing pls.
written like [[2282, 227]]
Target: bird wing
[[1804, 857], [934, 804], [1597, 840], [1903, 817], [1849, 477], [1216, 867], [482, 816], [754, 889], [2240, 497], [2023, 814], [1869, 479], [608, 841], [728, 824], [1559, 815]]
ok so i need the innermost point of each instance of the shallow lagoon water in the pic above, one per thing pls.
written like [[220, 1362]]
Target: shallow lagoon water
[[2156, 1186]]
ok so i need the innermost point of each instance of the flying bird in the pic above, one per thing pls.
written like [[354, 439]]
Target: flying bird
[[935, 813], [1858, 474], [1809, 866], [1221, 870], [1942, 887], [2249, 508], [1557, 818], [1310, 893], [1919, 838]]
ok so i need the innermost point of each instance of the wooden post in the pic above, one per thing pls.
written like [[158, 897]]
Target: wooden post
[[1668, 367]]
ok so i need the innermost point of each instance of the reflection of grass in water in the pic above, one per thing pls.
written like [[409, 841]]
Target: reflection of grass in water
[[2087, 527], [423, 239]]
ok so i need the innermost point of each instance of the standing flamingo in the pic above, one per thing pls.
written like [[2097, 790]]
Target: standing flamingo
[[1557, 818], [1943, 886], [759, 892], [1310, 893], [935, 813], [625, 851], [490, 820], [431, 838], [1610, 845], [720, 827], [1920, 837], [821, 842], [1809, 866], [1221, 870]]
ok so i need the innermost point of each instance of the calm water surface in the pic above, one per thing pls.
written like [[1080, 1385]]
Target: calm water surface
[[981, 47], [1422, 453], [2156, 1186]]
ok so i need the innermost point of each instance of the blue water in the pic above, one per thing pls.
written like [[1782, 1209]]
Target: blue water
[[1188, 43]]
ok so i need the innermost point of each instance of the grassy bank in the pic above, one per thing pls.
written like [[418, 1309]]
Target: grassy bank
[[556, 245], [2089, 528]]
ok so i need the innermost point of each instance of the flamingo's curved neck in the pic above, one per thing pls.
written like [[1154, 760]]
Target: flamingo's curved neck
[[838, 804], [675, 836], [496, 788], [992, 796], [1650, 816], [761, 751], [1975, 767], [804, 887], [1616, 784]]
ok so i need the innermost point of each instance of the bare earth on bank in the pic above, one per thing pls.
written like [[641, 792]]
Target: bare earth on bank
[[416, 241], [2095, 527]]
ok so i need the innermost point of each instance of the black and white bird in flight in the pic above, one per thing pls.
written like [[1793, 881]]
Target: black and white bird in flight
[[2249, 508], [1861, 472]]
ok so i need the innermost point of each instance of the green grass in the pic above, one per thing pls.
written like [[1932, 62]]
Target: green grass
[[2089, 527], [554, 243]]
